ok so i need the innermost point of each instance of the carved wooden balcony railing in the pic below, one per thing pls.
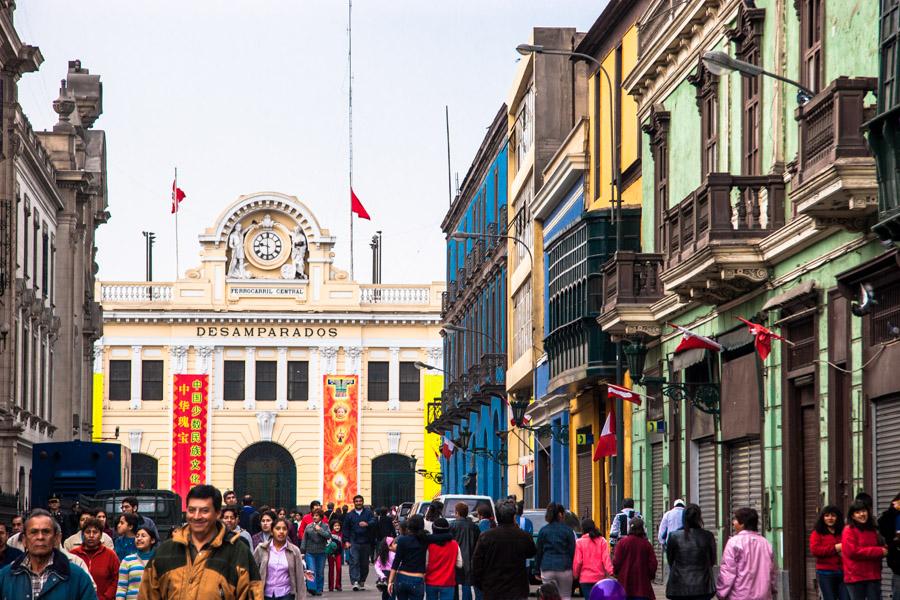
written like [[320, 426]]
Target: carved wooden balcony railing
[[831, 125], [632, 278], [836, 183], [727, 208]]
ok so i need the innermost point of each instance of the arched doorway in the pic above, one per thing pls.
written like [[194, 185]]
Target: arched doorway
[[267, 472], [393, 480], [144, 472]]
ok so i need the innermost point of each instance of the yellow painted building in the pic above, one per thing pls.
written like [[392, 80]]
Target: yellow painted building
[[267, 315], [614, 172]]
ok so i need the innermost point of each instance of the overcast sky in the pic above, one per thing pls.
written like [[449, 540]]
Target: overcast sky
[[246, 96]]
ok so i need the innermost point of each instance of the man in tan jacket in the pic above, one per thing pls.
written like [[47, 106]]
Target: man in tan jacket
[[202, 560]]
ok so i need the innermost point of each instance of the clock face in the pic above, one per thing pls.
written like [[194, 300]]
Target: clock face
[[267, 245]]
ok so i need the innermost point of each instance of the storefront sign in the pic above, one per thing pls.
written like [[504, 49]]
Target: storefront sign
[[268, 292], [264, 331], [340, 415], [190, 406], [656, 426]]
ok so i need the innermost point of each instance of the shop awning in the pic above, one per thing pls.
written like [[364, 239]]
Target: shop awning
[[798, 291]]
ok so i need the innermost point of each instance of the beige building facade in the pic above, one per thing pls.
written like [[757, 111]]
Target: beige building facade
[[267, 316]]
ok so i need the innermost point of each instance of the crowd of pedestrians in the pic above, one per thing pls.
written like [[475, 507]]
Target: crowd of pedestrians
[[229, 551]]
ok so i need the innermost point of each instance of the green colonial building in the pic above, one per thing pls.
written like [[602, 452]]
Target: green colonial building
[[760, 203]]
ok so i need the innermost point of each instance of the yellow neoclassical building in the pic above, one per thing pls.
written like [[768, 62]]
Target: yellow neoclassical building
[[268, 371]]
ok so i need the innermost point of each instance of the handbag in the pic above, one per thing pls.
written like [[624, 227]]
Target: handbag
[[331, 547]]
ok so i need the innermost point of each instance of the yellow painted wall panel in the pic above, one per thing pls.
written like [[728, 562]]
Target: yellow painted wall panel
[[97, 407], [434, 383]]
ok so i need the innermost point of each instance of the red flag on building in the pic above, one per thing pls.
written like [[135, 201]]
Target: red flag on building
[[447, 449], [606, 444], [617, 391], [357, 208], [177, 196], [694, 341], [763, 337]]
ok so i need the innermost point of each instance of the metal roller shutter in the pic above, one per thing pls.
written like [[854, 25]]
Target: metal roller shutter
[[584, 465], [706, 482], [745, 482], [887, 465], [656, 506]]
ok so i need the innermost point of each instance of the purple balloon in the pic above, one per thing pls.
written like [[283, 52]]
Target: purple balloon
[[607, 589]]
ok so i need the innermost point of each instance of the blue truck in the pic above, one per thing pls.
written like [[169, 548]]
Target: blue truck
[[73, 469]]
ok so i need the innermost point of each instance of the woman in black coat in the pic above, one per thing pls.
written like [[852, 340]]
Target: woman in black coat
[[691, 553], [889, 528]]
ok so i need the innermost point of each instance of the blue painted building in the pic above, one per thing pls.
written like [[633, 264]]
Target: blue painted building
[[472, 407]]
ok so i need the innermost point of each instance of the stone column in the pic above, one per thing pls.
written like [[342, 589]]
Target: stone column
[[250, 380], [394, 380], [219, 378], [135, 378], [315, 379], [204, 359], [354, 356], [281, 380]]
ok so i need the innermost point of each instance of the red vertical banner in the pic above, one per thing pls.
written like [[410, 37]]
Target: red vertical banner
[[341, 414], [190, 407]]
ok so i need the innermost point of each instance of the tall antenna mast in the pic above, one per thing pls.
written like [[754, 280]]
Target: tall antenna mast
[[350, 117]]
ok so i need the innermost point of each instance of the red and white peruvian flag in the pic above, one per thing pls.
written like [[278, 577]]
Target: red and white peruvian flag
[[616, 391], [695, 341], [606, 444], [447, 448]]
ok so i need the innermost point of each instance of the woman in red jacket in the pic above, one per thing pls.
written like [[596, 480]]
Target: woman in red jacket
[[634, 562], [825, 545], [862, 553]]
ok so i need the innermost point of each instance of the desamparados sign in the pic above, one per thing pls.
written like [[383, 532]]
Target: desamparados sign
[[270, 332]]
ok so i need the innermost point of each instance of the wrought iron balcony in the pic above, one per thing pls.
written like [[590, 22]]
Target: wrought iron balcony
[[710, 238], [492, 377], [836, 183], [631, 284]]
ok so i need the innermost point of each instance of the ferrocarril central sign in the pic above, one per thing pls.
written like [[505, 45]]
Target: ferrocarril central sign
[[269, 332]]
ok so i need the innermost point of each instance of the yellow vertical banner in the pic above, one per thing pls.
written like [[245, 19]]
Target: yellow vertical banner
[[97, 408], [434, 384]]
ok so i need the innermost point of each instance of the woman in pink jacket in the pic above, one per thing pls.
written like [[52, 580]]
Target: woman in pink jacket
[[748, 566], [592, 562]]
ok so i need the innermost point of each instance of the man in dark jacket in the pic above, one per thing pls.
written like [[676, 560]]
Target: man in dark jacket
[[44, 566], [249, 516], [7, 553], [498, 563], [357, 539], [466, 533]]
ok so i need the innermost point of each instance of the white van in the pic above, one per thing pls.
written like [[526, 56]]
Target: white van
[[450, 501]]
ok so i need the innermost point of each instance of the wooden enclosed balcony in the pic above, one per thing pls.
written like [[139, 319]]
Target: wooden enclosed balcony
[[710, 239], [836, 183], [631, 285]]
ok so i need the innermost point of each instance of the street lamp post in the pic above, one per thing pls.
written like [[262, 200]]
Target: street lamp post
[[719, 62], [616, 198]]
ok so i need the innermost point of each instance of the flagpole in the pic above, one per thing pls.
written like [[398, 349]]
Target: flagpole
[[176, 203], [350, 118]]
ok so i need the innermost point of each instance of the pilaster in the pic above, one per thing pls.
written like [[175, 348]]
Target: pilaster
[[250, 380], [218, 379], [135, 378], [281, 380], [394, 380]]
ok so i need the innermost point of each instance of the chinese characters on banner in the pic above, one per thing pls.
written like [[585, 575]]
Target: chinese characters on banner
[[189, 412], [340, 414]]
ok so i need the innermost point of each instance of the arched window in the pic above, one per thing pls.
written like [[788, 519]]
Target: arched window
[[144, 472], [267, 472], [393, 480]]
